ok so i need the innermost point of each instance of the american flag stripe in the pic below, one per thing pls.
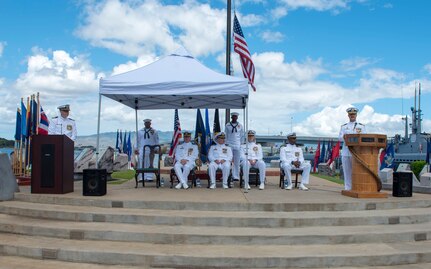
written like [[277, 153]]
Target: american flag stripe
[[240, 47], [177, 134]]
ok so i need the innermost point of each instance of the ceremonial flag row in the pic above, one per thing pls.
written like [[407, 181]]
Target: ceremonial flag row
[[30, 120], [326, 154], [123, 143]]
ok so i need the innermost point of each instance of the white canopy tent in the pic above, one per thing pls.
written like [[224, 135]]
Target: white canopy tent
[[177, 81]]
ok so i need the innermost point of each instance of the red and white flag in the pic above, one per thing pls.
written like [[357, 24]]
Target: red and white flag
[[43, 124], [240, 47]]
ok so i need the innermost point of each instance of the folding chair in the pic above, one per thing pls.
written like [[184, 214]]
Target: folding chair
[[150, 168]]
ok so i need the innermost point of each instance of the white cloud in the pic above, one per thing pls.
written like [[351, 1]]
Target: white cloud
[[428, 68], [388, 5], [319, 5], [327, 122], [2, 46], [59, 76], [356, 63], [140, 28], [272, 37]]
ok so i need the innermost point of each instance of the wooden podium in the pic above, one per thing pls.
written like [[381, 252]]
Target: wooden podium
[[365, 151], [52, 164]]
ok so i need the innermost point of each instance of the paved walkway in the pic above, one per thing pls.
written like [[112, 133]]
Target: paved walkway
[[321, 191]]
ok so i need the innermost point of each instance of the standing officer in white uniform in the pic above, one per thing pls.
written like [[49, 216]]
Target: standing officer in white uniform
[[352, 127], [147, 136], [234, 138], [62, 124], [186, 154], [291, 156], [220, 157], [254, 158]]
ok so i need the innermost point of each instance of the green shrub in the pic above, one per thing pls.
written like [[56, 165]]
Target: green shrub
[[417, 167]]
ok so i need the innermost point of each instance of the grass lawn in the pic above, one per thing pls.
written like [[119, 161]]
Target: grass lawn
[[122, 176], [335, 179]]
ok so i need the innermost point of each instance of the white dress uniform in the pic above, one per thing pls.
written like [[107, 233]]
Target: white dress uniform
[[219, 152], [234, 139], [289, 154], [60, 125], [146, 137], [346, 156], [185, 151], [254, 151]]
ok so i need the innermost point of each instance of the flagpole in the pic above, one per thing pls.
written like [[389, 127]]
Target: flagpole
[[228, 47], [38, 114]]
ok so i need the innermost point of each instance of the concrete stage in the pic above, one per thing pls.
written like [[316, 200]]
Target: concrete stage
[[221, 228]]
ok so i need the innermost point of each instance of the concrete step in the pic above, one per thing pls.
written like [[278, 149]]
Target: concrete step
[[14, 262], [168, 234], [216, 218], [307, 203], [217, 256]]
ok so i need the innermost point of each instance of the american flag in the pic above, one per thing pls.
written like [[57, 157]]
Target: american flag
[[42, 129], [177, 134], [240, 47]]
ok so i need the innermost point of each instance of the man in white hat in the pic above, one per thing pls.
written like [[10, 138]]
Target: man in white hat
[[186, 154], [291, 156], [220, 157], [147, 136], [252, 156], [352, 127], [63, 124], [234, 138]]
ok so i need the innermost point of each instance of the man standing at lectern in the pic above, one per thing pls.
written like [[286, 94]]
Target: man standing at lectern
[[63, 124], [352, 127]]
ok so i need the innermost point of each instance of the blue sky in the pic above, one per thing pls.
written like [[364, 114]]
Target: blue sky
[[313, 58]]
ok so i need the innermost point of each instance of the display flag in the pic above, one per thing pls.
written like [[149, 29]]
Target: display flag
[[129, 147], [207, 130], [427, 159], [120, 142], [387, 157], [335, 152], [200, 135], [125, 142], [322, 153], [18, 125], [23, 119], [216, 126], [177, 134], [240, 47], [316, 157], [117, 141], [42, 129]]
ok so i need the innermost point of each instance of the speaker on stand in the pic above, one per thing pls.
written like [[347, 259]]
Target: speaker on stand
[[94, 182], [402, 184]]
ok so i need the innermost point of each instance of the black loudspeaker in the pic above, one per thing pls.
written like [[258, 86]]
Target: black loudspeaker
[[402, 184], [94, 182]]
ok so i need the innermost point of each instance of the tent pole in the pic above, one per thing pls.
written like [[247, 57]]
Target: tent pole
[[98, 132], [136, 123]]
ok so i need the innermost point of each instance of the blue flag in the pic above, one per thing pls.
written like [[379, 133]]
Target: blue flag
[[129, 147], [23, 120], [18, 126], [200, 136], [116, 141], [388, 159], [427, 159], [207, 131], [322, 153], [125, 143]]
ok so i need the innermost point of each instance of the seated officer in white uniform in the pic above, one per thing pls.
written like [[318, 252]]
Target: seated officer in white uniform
[[185, 154], [63, 124], [146, 136], [220, 157], [253, 158], [352, 127], [291, 156]]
